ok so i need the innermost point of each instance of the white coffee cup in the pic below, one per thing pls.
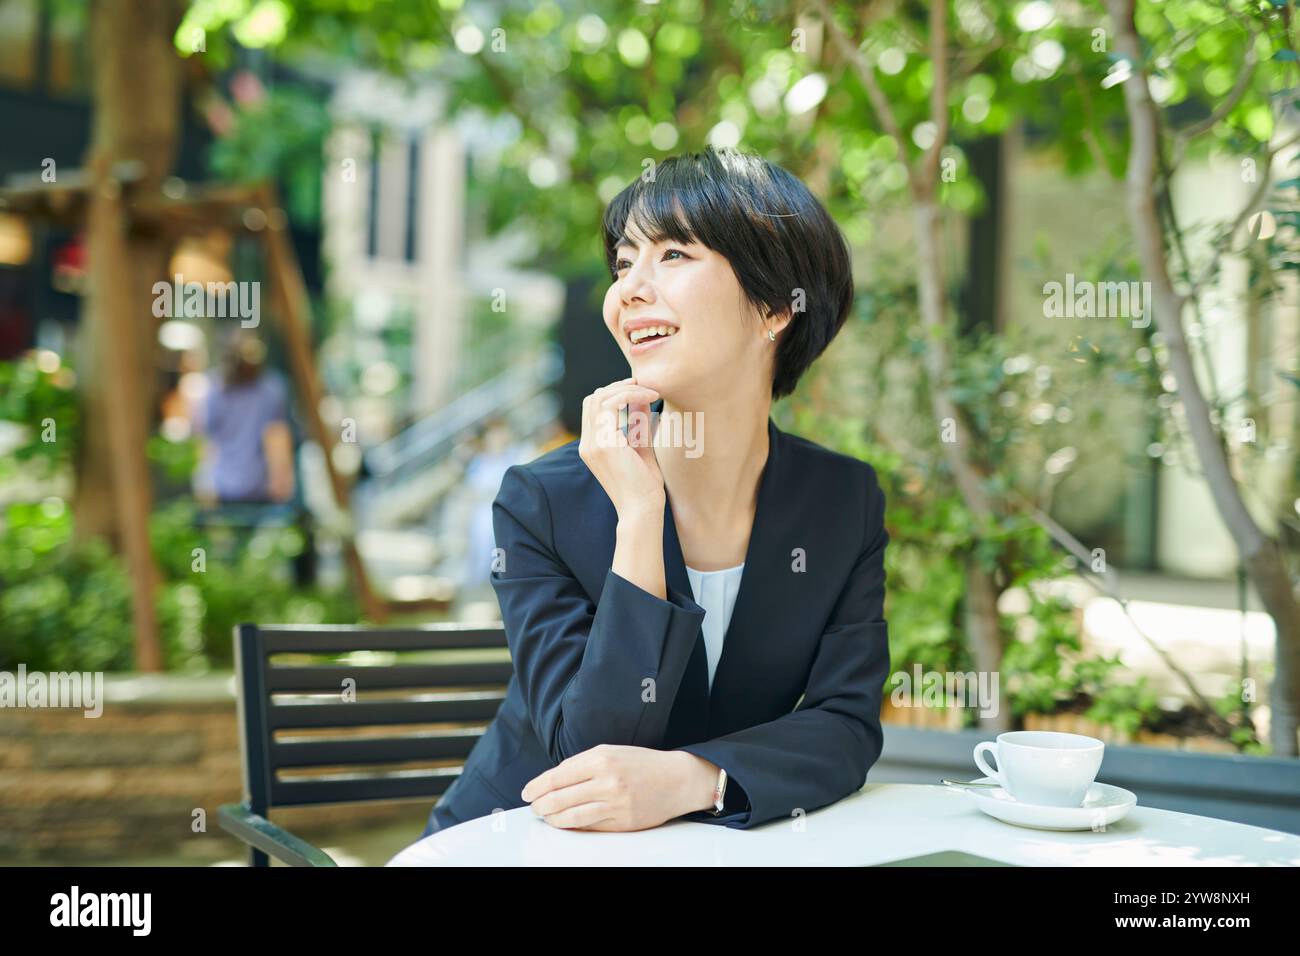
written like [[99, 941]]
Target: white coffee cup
[[1043, 767]]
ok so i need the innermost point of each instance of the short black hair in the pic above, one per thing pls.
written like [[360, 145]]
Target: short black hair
[[770, 228]]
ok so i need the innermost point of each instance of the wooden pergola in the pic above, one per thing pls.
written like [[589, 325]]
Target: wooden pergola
[[100, 200]]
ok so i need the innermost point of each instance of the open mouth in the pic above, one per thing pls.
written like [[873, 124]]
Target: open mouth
[[649, 337]]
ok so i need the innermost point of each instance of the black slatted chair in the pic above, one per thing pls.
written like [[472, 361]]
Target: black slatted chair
[[299, 752]]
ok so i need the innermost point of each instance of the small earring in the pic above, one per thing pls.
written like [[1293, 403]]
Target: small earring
[[771, 335]]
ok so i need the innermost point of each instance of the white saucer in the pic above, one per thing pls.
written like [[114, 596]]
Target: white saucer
[[1102, 806]]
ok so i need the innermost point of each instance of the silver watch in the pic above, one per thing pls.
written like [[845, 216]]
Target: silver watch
[[719, 792]]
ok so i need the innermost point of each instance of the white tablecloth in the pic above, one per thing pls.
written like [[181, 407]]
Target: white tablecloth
[[880, 823]]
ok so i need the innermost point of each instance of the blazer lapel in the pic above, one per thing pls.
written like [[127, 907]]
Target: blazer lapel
[[698, 710], [688, 722]]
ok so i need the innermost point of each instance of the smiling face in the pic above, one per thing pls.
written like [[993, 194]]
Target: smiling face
[[709, 342]]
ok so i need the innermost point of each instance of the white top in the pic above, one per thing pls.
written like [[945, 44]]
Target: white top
[[715, 591]]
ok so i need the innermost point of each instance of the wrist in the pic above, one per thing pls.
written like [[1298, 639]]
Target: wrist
[[699, 779], [642, 515]]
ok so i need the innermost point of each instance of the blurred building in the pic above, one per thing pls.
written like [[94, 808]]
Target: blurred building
[[393, 197], [439, 334], [405, 257], [45, 94]]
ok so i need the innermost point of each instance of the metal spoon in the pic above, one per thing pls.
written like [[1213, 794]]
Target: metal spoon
[[963, 785]]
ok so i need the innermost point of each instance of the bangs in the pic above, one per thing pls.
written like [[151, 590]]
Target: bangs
[[659, 210], [725, 200]]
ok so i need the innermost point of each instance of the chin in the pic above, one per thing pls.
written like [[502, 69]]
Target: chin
[[669, 378], [650, 379]]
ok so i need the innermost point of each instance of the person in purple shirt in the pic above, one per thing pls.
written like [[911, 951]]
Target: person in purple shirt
[[244, 421]]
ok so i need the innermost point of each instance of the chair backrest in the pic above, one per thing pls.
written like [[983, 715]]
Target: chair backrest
[[315, 732]]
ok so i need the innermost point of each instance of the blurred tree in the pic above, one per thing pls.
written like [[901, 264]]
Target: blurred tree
[[1159, 55], [870, 103], [597, 92], [592, 94]]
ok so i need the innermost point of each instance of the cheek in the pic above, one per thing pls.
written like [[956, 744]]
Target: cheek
[[611, 308]]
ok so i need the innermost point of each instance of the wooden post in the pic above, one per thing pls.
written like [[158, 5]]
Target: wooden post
[[111, 287], [295, 310]]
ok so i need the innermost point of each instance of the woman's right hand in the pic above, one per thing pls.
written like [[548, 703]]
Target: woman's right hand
[[629, 474]]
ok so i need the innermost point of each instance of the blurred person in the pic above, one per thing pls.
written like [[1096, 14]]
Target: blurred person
[[243, 421]]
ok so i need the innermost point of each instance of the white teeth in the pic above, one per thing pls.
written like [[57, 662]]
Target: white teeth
[[638, 334]]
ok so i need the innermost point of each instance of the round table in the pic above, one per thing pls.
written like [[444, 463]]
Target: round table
[[880, 824]]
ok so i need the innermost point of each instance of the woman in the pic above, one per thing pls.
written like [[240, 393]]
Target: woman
[[696, 626]]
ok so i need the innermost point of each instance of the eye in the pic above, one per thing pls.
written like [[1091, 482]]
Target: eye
[[619, 264]]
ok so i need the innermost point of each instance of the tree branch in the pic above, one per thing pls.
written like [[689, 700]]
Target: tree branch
[[867, 74], [929, 172], [1186, 135]]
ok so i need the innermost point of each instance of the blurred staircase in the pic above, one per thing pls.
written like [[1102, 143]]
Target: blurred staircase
[[411, 504]]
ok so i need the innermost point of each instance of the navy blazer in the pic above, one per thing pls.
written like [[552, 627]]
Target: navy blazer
[[793, 715]]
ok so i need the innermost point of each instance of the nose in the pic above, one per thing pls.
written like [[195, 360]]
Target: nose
[[635, 283]]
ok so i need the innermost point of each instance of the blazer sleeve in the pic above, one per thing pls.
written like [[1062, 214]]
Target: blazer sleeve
[[589, 674], [822, 750]]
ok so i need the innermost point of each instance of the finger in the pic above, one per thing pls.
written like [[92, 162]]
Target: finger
[[608, 427], [629, 393], [606, 432], [624, 387], [604, 429], [639, 421], [589, 401], [584, 816], [640, 425], [605, 388], [559, 799], [564, 774], [588, 419]]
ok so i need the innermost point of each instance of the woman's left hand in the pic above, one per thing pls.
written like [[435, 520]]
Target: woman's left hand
[[615, 787]]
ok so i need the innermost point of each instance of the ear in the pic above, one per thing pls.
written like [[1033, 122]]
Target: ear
[[777, 321]]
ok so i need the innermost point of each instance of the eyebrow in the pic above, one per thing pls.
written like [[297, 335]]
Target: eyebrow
[[630, 242]]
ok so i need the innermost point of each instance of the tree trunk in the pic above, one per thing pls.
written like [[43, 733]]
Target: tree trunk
[[1261, 554], [983, 630], [984, 637], [136, 96], [137, 82], [982, 625]]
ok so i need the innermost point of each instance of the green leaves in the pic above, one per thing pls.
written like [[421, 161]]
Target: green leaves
[[1048, 672], [279, 136], [66, 605], [63, 606], [36, 395]]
